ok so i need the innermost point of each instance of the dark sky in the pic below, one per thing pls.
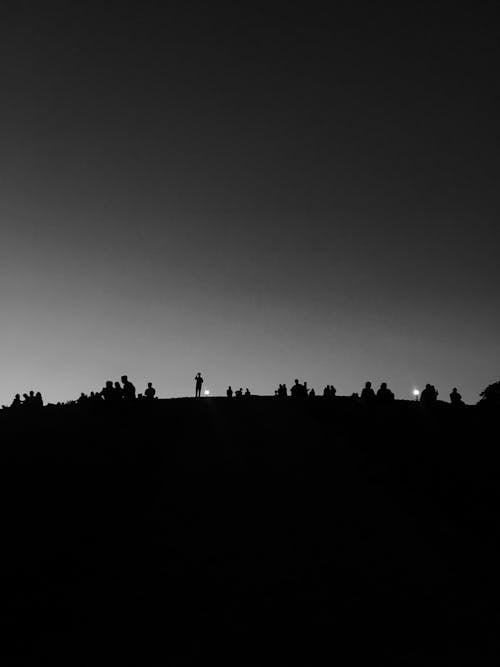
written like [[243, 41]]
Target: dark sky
[[260, 194]]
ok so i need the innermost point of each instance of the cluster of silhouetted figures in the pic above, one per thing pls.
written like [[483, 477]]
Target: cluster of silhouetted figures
[[112, 392], [124, 391], [30, 400]]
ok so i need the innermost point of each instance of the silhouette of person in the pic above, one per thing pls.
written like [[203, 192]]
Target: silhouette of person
[[150, 392], [108, 393], [247, 392], [117, 392], [282, 391], [38, 400], [312, 393], [296, 389], [229, 392], [367, 394], [16, 403], [384, 394], [429, 395], [128, 389], [198, 384], [239, 393], [455, 397]]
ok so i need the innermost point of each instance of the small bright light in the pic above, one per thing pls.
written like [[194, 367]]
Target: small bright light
[[416, 392], [207, 392]]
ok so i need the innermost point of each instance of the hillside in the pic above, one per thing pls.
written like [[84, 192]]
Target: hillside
[[250, 532]]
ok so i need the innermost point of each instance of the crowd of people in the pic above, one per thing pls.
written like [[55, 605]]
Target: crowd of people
[[114, 392], [124, 391], [30, 400]]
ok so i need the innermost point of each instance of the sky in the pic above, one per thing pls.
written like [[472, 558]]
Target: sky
[[256, 193]]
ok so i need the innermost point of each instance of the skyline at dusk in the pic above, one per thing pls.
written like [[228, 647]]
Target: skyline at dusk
[[259, 195]]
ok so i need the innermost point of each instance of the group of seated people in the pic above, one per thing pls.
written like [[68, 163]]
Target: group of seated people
[[429, 396], [31, 400], [116, 392], [383, 395], [238, 393], [300, 390]]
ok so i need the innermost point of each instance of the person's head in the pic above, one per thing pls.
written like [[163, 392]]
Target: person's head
[[454, 390], [117, 385], [383, 385], [368, 385], [17, 396], [124, 378], [296, 381], [32, 393], [150, 384], [109, 383]]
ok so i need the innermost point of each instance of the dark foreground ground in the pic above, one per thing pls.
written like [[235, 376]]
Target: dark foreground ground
[[251, 532]]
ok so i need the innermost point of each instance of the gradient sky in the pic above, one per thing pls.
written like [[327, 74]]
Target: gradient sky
[[256, 194]]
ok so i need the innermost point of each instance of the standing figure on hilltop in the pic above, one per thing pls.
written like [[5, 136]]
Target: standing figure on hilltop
[[198, 380], [367, 394], [229, 392], [455, 397], [150, 392], [117, 392]]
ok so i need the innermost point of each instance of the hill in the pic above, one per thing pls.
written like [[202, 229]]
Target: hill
[[250, 532]]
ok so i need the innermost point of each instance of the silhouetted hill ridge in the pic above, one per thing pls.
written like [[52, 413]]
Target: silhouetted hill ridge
[[250, 532]]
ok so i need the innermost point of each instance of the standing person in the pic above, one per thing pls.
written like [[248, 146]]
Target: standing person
[[455, 397], [198, 384]]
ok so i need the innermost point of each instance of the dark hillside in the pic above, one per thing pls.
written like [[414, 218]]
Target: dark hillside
[[250, 532]]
